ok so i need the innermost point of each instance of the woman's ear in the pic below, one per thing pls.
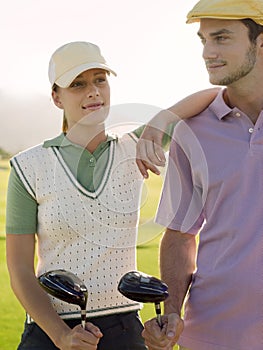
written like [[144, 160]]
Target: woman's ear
[[56, 99]]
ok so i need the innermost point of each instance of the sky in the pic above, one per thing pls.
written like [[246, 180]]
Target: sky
[[156, 55]]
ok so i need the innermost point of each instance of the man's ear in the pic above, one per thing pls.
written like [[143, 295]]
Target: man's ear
[[260, 40], [56, 99]]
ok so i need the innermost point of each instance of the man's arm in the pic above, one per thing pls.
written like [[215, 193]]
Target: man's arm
[[177, 264], [149, 147]]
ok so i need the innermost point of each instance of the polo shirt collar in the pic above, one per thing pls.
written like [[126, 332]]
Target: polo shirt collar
[[219, 107], [62, 141]]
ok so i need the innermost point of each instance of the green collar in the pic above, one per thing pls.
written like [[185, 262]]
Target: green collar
[[62, 141]]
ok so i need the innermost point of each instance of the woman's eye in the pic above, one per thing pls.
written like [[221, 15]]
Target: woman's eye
[[77, 84], [100, 80]]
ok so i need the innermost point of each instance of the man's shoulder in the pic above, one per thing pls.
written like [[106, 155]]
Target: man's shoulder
[[196, 119]]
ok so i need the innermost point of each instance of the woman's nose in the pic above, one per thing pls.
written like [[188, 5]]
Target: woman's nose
[[92, 91]]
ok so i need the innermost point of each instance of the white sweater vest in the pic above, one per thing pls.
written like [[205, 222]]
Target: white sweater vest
[[92, 234]]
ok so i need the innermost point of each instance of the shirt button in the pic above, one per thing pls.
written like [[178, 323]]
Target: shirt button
[[238, 114], [250, 130], [92, 162]]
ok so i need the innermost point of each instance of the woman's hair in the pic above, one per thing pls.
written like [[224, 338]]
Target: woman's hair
[[254, 29], [65, 122]]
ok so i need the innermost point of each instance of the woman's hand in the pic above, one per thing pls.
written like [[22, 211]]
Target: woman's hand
[[81, 339]]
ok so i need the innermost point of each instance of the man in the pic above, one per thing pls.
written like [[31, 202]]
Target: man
[[214, 186]]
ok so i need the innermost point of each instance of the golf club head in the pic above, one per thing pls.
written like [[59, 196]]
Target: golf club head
[[138, 286], [65, 286]]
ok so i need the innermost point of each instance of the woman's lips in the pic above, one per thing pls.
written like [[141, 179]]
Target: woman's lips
[[93, 106]]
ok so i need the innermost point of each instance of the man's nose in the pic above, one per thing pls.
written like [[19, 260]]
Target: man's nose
[[209, 51]]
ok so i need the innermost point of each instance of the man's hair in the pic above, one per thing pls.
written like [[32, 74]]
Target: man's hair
[[254, 29]]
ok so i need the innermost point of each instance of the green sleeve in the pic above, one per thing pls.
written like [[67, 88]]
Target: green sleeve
[[21, 208], [166, 137], [138, 131]]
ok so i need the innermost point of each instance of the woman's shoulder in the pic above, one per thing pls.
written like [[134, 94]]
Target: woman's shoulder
[[41, 148], [30, 151], [129, 137]]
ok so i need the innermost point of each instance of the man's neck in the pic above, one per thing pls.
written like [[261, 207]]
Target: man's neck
[[249, 103]]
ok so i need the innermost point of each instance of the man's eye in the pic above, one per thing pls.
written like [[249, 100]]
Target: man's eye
[[220, 38]]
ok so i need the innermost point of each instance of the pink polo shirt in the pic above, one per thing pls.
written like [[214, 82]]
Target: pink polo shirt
[[214, 181]]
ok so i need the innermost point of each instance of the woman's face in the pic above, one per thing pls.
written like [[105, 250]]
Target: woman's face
[[87, 100]]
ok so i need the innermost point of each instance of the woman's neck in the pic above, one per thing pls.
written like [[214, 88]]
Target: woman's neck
[[88, 137]]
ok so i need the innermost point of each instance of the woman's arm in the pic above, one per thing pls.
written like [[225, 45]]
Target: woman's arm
[[149, 147], [21, 222], [20, 249]]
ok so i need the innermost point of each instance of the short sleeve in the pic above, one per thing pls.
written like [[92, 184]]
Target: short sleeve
[[180, 206]]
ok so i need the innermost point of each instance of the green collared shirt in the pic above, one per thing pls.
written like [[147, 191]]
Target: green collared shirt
[[88, 168], [81, 162], [21, 208]]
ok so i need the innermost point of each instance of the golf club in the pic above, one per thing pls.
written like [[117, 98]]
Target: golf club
[[66, 286], [138, 286]]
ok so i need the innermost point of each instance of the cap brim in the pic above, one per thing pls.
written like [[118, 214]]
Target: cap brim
[[66, 79], [197, 18]]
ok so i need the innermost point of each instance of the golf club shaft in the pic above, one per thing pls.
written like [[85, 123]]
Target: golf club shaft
[[158, 314], [83, 318]]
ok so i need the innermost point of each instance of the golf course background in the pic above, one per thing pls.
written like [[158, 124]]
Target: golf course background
[[12, 315]]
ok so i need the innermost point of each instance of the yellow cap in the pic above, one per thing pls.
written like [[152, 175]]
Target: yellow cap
[[70, 60], [227, 9]]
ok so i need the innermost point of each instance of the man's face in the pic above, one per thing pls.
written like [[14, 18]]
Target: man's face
[[228, 53]]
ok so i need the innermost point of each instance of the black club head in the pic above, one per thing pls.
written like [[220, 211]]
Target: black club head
[[65, 286], [138, 286]]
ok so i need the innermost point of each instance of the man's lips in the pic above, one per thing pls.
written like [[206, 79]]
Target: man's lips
[[93, 106], [212, 66]]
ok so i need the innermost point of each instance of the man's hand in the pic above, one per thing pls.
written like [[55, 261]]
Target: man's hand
[[164, 338], [149, 152]]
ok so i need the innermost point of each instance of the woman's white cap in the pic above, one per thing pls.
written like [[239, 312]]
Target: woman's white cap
[[70, 60]]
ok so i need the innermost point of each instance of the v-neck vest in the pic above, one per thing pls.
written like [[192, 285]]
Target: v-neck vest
[[92, 234]]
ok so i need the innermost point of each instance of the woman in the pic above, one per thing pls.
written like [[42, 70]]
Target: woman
[[78, 196]]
